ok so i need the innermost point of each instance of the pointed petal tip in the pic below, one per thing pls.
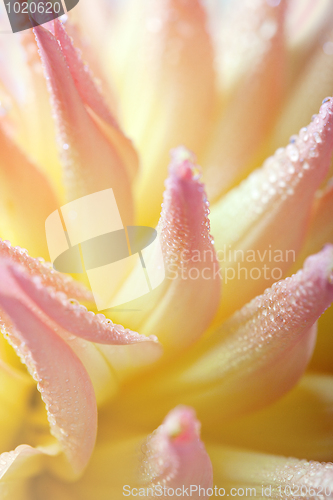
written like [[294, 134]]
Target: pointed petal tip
[[310, 150], [184, 217], [181, 424], [184, 164]]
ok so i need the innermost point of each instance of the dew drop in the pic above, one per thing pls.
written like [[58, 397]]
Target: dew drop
[[317, 137], [303, 133], [292, 152]]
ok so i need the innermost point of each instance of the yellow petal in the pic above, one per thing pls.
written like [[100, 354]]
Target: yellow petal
[[320, 230], [322, 357], [236, 468], [312, 84], [26, 200], [36, 132], [255, 51], [307, 25], [16, 468], [299, 425], [169, 81]]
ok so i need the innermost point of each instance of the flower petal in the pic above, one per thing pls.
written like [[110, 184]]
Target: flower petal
[[312, 85], [16, 467], [72, 316], [52, 292], [175, 457], [27, 198], [92, 97], [254, 42], [320, 230], [307, 24], [191, 289], [171, 62], [64, 384], [49, 277], [322, 357], [249, 224], [234, 370], [266, 474], [125, 459], [35, 126], [290, 426], [15, 390], [91, 161], [319, 233]]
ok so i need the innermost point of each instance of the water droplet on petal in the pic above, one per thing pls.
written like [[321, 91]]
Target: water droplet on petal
[[317, 137], [292, 152], [303, 133]]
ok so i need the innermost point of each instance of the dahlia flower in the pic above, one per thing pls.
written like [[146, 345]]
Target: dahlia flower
[[219, 381]]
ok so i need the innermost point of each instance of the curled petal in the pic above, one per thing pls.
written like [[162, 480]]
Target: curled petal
[[27, 198], [91, 161], [257, 59], [74, 317], [249, 224], [234, 370], [289, 427], [171, 62], [270, 475], [175, 457], [64, 384], [49, 277], [192, 286]]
